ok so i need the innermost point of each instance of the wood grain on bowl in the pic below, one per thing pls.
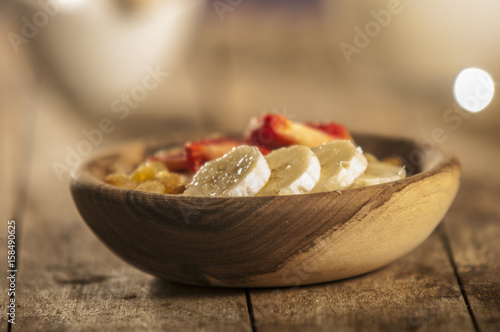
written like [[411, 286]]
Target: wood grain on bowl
[[272, 240]]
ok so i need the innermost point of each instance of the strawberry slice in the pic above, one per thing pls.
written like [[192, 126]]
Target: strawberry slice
[[194, 154], [264, 150], [269, 131], [273, 131], [332, 128], [199, 152], [173, 159]]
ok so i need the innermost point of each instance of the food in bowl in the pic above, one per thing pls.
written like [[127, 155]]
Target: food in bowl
[[276, 156]]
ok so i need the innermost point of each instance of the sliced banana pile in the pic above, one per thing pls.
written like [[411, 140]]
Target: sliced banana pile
[[336, 165]]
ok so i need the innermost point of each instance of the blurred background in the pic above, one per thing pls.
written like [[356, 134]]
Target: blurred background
[[162, 67]]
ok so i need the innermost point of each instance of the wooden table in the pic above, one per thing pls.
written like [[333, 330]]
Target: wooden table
[[68, 280]]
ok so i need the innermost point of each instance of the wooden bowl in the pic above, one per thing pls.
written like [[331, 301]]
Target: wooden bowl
[[274, 240]]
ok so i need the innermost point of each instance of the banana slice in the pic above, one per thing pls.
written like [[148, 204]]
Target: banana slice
[[294, 170], [341, 163], [241, 172], [379, 172]]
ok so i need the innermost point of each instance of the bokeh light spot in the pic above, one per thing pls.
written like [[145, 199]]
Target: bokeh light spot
[[473, 89]]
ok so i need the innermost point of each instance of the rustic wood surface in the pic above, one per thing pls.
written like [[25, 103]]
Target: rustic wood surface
[[471, 230], [69, 281], [418, 292]]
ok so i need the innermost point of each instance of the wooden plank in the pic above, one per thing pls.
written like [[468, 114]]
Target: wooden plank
[[473, 232], [68, 280], [418, 292]]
